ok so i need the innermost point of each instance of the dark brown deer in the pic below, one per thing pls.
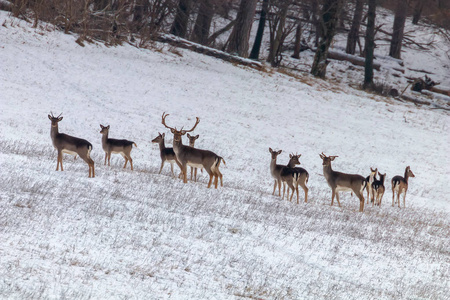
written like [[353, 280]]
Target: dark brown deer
[[378, 189], [289, 176], [400, 185], [343, 182], [369, 179], [167, 154], [195, 157], [122, 147], [65, 143]]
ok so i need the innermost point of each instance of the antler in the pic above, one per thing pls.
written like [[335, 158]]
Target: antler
[[164, 115], [192, 129]]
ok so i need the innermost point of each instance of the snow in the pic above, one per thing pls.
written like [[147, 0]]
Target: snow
[[139, 234]]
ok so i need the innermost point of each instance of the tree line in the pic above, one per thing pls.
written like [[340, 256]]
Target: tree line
[[294, 24]]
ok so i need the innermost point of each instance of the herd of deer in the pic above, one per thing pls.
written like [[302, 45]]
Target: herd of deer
[[289, 175]]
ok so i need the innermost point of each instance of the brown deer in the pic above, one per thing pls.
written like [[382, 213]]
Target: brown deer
[[378, 189], [343, 182], [289, 176], [369, 180], [192, 140], [122, 147], [301, 178], [195, 157], [275, 170], [400, 185], [167, 154], [65, 143]]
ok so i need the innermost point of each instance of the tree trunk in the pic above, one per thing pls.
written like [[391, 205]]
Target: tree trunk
[[238, 40], [330, 13], [315, 20], [100, 4], [353, 34], [397, 32], [370, 44], [277, 43], [417, 11], [254, 54], [180, 24], [298, 40], [203, 22]]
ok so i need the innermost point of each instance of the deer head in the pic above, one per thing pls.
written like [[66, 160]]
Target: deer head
[[327, 159], [54, 119], [177, 133]]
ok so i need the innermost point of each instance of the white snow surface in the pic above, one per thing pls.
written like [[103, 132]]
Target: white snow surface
[[142, 235]]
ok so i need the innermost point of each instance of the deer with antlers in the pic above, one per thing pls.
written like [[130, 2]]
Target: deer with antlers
[[65, 143], [194, 157], [343, 182]]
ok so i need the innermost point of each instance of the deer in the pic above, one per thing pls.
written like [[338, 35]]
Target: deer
[[343, 182], [275, 170], [378, 189], [195, 157], [289, 176], [114, 146], [65, 143], [167, 154], [369, 180], [400, 185], [301, 178], [192, 140]]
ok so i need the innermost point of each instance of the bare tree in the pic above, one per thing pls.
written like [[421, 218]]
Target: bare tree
[[353, 34], [370, 44], [398, 28], [238, 40], [417, 12], [330, 13], [254, 54], [203, 22], [278, 32], [180, 24]]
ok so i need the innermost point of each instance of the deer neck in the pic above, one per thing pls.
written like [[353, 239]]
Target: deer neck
[[162, 145], [54, 131], [406, 176], [327, 171], [105, 139], [178, 146], [273, 164], [291, 164]]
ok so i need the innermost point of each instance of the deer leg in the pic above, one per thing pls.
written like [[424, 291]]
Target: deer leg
[[368, 192], [109, 159], [398, 199], [361, 202], [218, 172], [126, 160], [192, 172], [393, 195], [404, 199], [274, 187], [216, 178], [337, 198], [210, 173], [162, 165], [284, 189], [131, 162], [305, 188], [333, 193], [106, 156], [195, 174]]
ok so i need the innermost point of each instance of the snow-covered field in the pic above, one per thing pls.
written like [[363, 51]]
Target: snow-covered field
[[140, 235]]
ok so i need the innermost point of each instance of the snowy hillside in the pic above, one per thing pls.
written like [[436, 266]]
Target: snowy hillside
[[143, 235]]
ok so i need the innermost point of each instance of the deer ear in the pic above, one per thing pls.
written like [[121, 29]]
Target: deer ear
[[188, 135], [332, 157], [60, 119], [270, 149], [172, 130], [163, 135], [279, 152], [107, 126], [197, 136], [290, 155], [101, 126], [49, 117]]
